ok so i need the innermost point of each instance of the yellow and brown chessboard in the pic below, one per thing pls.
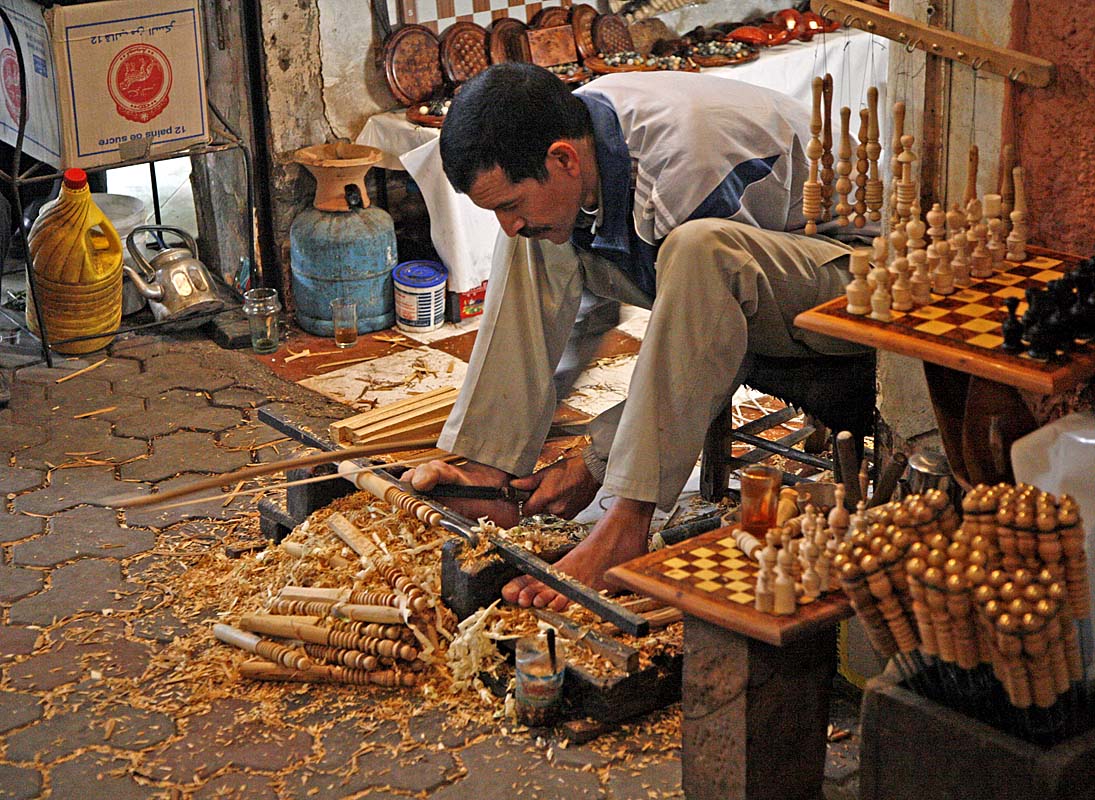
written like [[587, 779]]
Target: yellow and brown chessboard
[[963, 330], [710, 578]]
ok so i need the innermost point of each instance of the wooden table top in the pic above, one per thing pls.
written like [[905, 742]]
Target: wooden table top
[[710, 578], [962, 330]]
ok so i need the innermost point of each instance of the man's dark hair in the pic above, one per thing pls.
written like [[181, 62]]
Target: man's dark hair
[[507, 116]]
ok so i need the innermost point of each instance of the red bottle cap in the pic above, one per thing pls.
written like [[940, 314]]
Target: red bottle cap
[[75, 178]]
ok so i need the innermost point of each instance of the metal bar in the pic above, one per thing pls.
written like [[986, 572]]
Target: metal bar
[[281, 424], [784, 450]]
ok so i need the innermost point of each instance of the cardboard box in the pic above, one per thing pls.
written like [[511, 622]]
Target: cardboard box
[[121, 80]]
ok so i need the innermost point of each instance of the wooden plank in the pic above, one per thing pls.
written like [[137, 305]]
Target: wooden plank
[[647, 575]]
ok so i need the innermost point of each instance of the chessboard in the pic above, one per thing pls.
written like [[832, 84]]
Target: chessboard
[[962, 330], [710, 578], [437, 15]]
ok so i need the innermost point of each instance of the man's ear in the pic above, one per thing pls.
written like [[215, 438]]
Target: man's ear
[[563, 155]]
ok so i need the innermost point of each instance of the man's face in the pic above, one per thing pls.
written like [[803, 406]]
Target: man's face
[[531, 208]]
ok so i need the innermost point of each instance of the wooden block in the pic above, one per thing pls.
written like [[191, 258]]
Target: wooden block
[[551, 46]]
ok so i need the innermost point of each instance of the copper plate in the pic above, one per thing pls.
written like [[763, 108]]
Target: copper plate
[[598, 66], [425, 120], [610, 34], [581, 21], [725, 61], [464, 51], [412, 65], [508, 41], [550, 17]]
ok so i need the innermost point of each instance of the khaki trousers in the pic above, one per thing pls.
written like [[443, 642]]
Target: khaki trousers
[[724, 290]]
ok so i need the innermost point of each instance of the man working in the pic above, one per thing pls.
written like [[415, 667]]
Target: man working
[[668, 191]]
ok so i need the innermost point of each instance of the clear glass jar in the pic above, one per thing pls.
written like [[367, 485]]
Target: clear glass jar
[[261, 307]]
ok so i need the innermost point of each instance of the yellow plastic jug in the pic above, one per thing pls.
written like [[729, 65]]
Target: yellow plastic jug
[[76, 256]]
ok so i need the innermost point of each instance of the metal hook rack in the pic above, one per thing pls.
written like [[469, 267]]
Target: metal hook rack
[[1011, 64]]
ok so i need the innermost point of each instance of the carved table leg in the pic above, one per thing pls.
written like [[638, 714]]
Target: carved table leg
[[755, 716]]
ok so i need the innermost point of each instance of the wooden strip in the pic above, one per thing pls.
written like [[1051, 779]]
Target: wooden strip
[[80, 372], [622, 656], [229, 478]]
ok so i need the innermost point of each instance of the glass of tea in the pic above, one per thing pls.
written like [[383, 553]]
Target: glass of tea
[[759, 498], [344, 318]]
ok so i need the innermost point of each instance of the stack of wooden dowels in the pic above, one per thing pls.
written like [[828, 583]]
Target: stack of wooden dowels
[[343, 635], [979, 616]]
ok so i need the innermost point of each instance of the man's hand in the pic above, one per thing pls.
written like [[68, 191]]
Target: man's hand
[[564, 489], [426, 476]]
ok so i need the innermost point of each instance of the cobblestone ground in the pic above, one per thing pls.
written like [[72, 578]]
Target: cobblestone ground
[[90, 617]]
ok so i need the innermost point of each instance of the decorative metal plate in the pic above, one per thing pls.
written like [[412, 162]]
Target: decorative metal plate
[[464, 51], [508, 41], [581, 21], [412, 64], [550, 17], [610, 34]]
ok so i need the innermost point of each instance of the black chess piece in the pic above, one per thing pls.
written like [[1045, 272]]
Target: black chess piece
[[1059, 318], [1084, 309], [1040, 333], [1011, 328]]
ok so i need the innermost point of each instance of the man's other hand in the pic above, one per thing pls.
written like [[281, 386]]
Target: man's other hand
[[564, 489]]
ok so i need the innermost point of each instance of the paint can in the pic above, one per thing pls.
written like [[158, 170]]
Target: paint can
[[419, 295]]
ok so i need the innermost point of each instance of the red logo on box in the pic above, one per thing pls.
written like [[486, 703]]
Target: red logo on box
[[9, 71], [139, 80]]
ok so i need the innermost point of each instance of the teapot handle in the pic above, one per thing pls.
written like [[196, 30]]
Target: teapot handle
[[140, 259]]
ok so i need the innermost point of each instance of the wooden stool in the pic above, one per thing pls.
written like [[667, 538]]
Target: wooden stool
[[838, 391], [755, 687]]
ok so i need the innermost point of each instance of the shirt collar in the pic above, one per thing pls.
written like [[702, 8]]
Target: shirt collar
[[611, 228]]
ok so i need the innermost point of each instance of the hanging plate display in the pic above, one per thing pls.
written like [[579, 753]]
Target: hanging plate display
[[464, 51], [610, 35], [550, 17], [581, 21], [412, 64], [508, 41]]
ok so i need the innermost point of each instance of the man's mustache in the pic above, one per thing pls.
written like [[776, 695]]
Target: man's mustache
[[530, 233]]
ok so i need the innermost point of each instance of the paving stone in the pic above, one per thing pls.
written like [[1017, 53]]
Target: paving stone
[[160, 626], [116, 369], [430, 727], [62, 368], [77, 390], [98, 776], [218, 739], [173, 371], [214, 508], [239, 397], [140, 347], [184, 451], [16, 582], [68, 731], [109, 407], [83, 532], [307, 784], [17, 709], [250, 436], [89, 584], [16, 436], [28, 403], [16, 640], [177, 409], [90, 437], [14, 479], [14, 527], [498, 770], [238, 785], [75, 486], [20, 783], [420, 771], [342, 740], [46, 671], [578, 757], [659, 779]]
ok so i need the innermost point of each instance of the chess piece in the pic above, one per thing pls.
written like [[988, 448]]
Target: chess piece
[[956, 221], [811, 581], [827, 148], [997, 247], [862, 165], [915, 228], [838, 515], [960, 261], [1017, 239], [787, 506], [880, 298], [1005, 186], [897, 219], [898, 242], [784, 601], [844, 168], [764, 599], [880, 251], [906, 186], [1011, 328], [811, 189], [971, 176], [902, 289], [941, 272], [937, 220], [980, 258], [874, 150], [920, 282], [857, 292], [1037, 328]]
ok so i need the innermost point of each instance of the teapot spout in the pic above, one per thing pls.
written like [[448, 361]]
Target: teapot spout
[[151, 292]]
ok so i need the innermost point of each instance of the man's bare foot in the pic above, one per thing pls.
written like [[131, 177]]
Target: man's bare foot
[[619, 536], [426, 476]]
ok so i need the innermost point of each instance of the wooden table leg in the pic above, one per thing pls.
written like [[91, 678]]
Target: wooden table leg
[[755, 716]]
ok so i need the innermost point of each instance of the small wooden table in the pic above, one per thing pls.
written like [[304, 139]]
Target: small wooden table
[[755, 693]]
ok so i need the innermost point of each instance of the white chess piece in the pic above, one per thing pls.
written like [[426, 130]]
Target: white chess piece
[[920, 283], [784, 584], [857, 292], [1017, 239], [880, 299], [960, 262], [902, 290]]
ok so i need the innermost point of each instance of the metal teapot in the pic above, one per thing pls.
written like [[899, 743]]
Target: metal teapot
[[176, 283]]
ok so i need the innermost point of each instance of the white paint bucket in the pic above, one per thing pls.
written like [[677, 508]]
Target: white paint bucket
[[419, 295]]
